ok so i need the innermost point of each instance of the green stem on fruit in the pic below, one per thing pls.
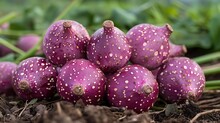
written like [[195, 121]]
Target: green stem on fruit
[[213, 88], [212, 69], [207, 58], [212, 83], [18, 33], [8, 17], [10, 46], [38, 45]]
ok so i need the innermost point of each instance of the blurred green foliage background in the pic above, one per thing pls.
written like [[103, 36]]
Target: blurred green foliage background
[[196, 23]]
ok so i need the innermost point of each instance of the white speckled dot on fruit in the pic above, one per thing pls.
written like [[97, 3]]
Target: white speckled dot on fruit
[[180, 79], [133, 87], [6, 71], [81, 79], [109, 48], [150, 47], [39, 77], [65, 40]]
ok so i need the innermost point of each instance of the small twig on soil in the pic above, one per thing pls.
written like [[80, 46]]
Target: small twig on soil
[[210, 104], [208, 101], [121, 118], [203, 113], [26, 105], [59, 109], [17, 110], [156, 112], [206, 107]]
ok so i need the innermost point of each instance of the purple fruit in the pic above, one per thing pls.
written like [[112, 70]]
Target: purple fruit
[[4, 51], [4, 26], [150, 44], [81, 79], [177, 50], [180, 79], [6, 71], [65, 40], [27, 42], [133, 87], [35, 77], [155, 72], [108, 48]]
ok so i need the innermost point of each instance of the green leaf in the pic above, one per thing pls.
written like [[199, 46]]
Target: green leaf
[[214, 28], [9, 57], [124, 17]]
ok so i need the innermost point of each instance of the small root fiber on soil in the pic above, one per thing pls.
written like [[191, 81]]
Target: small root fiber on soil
[[13, 110]]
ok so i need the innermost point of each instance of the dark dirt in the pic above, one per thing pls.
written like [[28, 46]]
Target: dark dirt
[[55, 111]]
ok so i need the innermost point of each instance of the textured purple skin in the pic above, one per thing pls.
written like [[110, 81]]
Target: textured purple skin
[[6, 71], [27, 42], [177, 50], [40, 76], [81, 72], [62, 44], [180, 79], [155, 72], [125, 88], [109, 49], [150, 47]]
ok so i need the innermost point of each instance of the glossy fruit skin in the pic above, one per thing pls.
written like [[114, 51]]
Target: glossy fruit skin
[[6, 71], [27, 42], [109, 48], [150, 47], [133, 87], [35, 77], [65, 40], [180, 79], [83, 74]]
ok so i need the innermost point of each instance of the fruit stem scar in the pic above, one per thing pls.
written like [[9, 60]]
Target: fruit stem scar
[[184, 49], [108, 24], [147, 89], [67, 24], [23, 85], [78, 90], [169, 27]]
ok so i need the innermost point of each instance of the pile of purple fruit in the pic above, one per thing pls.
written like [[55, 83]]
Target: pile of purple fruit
[[128, 70]]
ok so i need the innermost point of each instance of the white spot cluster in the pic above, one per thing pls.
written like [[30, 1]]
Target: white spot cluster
[[62, 44], [150, 47], [179, 79], [39, 74], [6, 71], [83, 73], [109, 49], [126, 88]]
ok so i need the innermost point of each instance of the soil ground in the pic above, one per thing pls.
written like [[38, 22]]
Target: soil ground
[[13, 110]]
